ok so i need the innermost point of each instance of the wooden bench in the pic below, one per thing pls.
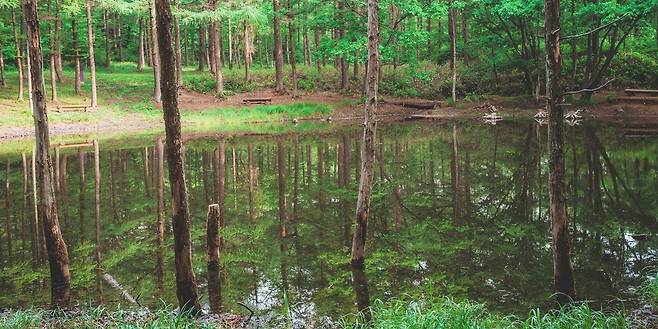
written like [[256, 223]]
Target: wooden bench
[[642, 99], [646, 92], [257, 101], [69, 108]]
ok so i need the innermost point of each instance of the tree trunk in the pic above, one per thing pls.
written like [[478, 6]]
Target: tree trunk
[[58, 258], [293, 53], [562, 269], [316, 44], [453, 49], [213, 238], [186, 286], [140, 49], [369, 127], [117, 37], [76, 52], [247, 52], [92, 63], [278, 49], [19, 58], [283, 217], [214, 38], [82, 202], [155, 53], [202, 50], [3, 78], [106, 30], [51, 47], [58, 43], [179, 54]]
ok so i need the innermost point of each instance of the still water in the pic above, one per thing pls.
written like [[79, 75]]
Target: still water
[[459, 209]]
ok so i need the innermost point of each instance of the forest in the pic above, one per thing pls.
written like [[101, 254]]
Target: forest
[[329, 164]]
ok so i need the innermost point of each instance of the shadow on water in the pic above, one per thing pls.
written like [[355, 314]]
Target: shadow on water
[[458, 208]]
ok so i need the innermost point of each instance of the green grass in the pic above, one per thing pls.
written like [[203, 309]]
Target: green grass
[[649, 290], [101, 317], [446, 313]]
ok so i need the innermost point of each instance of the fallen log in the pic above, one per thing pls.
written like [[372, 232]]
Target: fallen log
[[257, 101], [114, 284]]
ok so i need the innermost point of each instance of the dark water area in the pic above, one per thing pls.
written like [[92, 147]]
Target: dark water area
[[459, 209]]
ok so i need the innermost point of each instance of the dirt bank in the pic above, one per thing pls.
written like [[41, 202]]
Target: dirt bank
[[349, 108]]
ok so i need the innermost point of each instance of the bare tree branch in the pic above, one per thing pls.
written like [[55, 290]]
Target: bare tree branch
[[589, 90]]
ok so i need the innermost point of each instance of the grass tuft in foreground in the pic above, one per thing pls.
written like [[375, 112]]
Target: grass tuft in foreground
[[649, 290], [449, 314]]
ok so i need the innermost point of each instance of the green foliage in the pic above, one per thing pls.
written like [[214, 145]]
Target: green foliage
[[450, 314], [649, 289], [633, 69]]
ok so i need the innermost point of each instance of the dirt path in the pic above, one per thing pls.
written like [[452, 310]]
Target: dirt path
[[348, 108]]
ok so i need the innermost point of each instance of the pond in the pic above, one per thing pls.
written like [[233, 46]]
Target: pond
[[459, 209]]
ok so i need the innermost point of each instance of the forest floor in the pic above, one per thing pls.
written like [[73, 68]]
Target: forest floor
[[125, 107]]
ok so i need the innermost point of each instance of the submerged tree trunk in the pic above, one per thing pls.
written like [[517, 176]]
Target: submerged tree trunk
[[58, 258], [186, 286], [160, 218], [562, 269], [369, 127], [278, 49], [213, 239], [92, 63], [97, 191], [367, 165]]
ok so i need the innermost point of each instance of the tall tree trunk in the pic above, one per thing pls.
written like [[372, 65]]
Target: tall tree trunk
[[453, 49], [369, 127], [214, 38], [293, 53], [106, 30], [19, 58], [562, 269], [82, 202], [283, 217], [179, 54], [58, 43], [77, 84], [213, 238], [155, 53], [3, 77], [278, 49], [316, 45], [455, 177], [117, 37], [51, 48], [186, 286], [92, 62], [140, 49], [202, 49], [58, 258], [247, 52]]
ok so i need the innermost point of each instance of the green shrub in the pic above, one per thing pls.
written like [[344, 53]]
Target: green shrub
[[632, 69]]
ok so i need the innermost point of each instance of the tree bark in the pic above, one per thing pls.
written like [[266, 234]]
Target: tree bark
[[140, 49], [213, 238], [76, 52], [106, 30], [186, 286], [51, 48], [155, 53], [369, 128], [293, 53], [3, 77], [247, 52], [117, 37], [219, 79], [453, 49], [562, 269], [278, 49], [92, 62], [19, 58], [58, 257], [202, 50]]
